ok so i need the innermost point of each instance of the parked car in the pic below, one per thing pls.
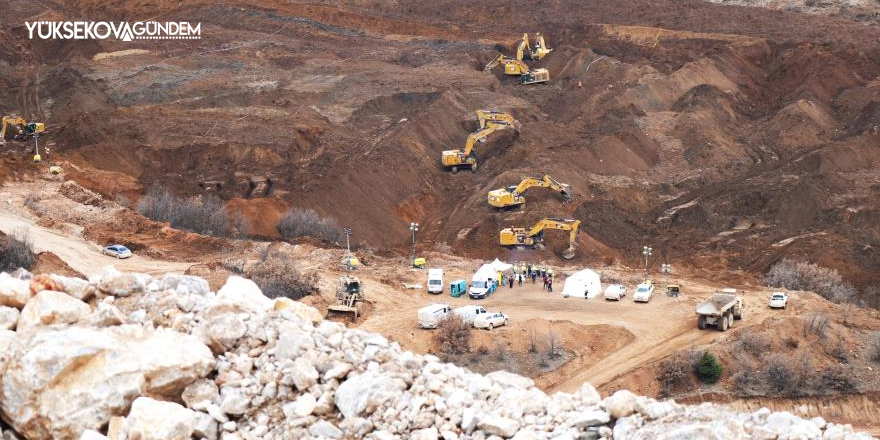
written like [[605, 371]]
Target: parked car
[[470, 312], [430, 316], [778, 300], [489, 321], [117, 250], [643, 292], [615, 292]]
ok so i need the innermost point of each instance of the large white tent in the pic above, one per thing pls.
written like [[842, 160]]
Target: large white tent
[[583, 283], [500, 266]]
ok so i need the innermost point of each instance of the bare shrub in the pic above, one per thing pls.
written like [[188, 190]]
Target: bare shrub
[[838, 378], [746, 377], [874, 347], [778, 373], [553, 344], [453, 335], [816, 323], [500, 351], [483, 350], [308, 223], [32, 202], [791, 342], [533, 341], [205, 215], [16, 250], [677, 370], [800, 275], [753, 343], [279, 277]]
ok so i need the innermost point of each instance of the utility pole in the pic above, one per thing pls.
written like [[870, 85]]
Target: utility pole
[[347, 232], [414, 227], [666, 269], [647, 251]]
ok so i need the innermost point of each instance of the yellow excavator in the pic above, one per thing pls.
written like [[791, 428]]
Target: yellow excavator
[[534, 237], [467, 158], [525, 51], [24, 131], [516, 66], [487, 116], [512, 196]]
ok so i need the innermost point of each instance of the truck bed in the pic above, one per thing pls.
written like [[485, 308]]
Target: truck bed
[[717, 304]]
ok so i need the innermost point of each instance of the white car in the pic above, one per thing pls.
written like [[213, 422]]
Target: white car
[[644, 292], [615, 291], [489, 321], [778, 300], [118, 251]]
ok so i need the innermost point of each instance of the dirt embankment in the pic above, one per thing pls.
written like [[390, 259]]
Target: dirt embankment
[[727, 137]]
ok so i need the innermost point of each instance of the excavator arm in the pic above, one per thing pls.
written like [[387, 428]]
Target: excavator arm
[[495, 61], [545, 182], [561, 224], [523, 47], [479, 135], [541, 50]]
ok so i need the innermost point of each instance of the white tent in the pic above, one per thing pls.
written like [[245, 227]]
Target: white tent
[[584, 283], [485, 272], [499, 266]]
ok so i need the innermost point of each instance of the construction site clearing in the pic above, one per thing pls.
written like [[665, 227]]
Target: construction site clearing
[[612, 344], [598, 190]]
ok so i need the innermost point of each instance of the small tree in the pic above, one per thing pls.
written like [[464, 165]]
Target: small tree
[[453, 335], [709, 370]]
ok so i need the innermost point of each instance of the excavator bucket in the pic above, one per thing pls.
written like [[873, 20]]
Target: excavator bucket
[[569, 253]]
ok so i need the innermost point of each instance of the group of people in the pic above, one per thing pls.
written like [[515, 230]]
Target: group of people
[[523, 273]]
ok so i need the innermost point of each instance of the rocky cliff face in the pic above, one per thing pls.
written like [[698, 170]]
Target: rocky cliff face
[[128, 356]]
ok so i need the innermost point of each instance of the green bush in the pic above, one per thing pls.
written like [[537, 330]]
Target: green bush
[[709, 370]]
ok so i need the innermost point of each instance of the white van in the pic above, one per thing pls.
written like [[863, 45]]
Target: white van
[[470, 313], [483, 283], [430, 316], [435, 280]]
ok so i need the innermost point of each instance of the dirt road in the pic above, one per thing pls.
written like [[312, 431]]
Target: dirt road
[[82, 256], [660, 327]]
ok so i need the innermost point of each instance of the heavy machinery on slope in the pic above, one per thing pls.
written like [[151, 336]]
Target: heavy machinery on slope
[[24, 131], [512, 197], [350, 297], [488, 116], [525, 51], [490, 122], [517, 67], [534, 237]]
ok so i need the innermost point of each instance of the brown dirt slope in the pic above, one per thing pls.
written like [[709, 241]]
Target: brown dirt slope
[[728, 137]]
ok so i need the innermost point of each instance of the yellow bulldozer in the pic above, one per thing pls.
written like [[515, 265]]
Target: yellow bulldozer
[[490, 122], [534, 237], [350, 297], [24, 131], [512, 197]]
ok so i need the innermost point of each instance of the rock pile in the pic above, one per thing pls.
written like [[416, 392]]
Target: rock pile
[[131, 357]]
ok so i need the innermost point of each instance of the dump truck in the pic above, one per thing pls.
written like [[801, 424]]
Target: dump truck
[[720, 310], [349, 297]]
